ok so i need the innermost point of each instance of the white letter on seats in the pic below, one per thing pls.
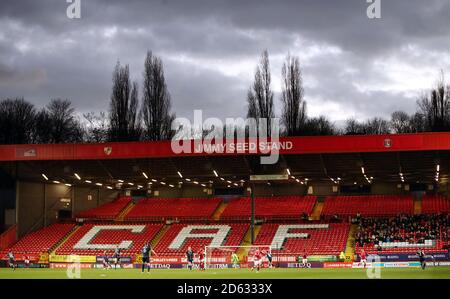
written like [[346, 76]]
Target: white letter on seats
[[90, 235], [186, 233], [283, 233]]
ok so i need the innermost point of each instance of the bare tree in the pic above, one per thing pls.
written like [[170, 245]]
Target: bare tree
[[317, 126], [57, 123], [294, 107], [400, 122], [376, 126], [436, 107], [95, 127], [353, 127], [417, 123], [156, 102], [260, 95], [123, 115], [17, 118]]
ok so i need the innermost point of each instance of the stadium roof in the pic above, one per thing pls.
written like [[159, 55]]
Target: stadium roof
[[344, 159]]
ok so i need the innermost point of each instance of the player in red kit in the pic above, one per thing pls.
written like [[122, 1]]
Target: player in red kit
[[304, 259], [201, 256], [363, 258], [257, 260], [26, 260]]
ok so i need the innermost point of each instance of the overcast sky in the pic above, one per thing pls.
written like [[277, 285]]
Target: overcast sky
[[352, 66]]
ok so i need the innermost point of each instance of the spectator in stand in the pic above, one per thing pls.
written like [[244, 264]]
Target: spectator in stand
[[305, 216], [404, 228]]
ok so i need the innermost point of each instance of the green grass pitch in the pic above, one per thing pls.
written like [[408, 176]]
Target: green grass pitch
[[390, 273]]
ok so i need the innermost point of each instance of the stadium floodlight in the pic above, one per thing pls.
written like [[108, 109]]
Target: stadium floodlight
[[145, 175], [88, 181], [179, 174], [56, 182], [45, 177], [77, 176], [215, 173], [288, 171]]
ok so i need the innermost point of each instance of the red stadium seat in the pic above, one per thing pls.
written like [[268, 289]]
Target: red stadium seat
[[42, 240], [330, 241], [435, 204], [113, 237], [281, 207], [107, 211], [368, 205], [233, 238], [181, 208]]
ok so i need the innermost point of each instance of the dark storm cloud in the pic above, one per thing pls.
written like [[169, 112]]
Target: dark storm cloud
[[352, 66]]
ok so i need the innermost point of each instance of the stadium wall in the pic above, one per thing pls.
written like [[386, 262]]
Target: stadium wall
[[444, 189], [184, 191], [38, 204], [7, 200], [98, 197], [388, 189], [279, 189], [262, 189]]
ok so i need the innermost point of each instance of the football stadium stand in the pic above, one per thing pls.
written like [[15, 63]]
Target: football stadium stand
[[108, 211], [94, 239], [318, 239], [180, 236], [42, 240], [432, 204], [403, 234], [386, 224], [169, 208], [281, 207], [368, 205]]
